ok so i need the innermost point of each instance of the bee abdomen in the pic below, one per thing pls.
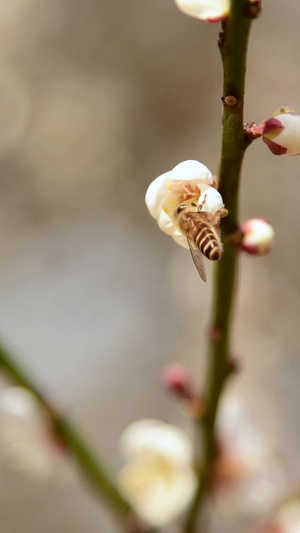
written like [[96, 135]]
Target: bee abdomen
[[207, 242]]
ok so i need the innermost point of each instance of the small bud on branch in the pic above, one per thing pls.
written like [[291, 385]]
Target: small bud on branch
[[258, 236]]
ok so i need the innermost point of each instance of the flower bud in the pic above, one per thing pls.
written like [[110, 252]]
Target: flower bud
[[258, 236], [209, 10], [178, 380], [282, 132]]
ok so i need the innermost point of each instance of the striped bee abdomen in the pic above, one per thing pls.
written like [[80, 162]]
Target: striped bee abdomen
[[207, 241]]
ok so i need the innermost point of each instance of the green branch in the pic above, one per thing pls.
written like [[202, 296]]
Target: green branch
[[91, 467], [233, 47]]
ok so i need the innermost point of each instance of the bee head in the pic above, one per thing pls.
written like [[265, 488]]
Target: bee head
[[182, 207]]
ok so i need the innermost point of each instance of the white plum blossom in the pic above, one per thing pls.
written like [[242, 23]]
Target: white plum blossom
[[157, 479], [209, 10], [286, 519], [26, 442], [188, 182], [258, 236], [281, 132], [249, 477]]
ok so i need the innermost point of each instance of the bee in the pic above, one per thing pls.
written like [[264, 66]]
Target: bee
[[202, 232]]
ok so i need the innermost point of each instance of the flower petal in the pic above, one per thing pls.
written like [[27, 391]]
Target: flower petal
[[281, 132], [180, 239], [211, 199], [192, 170], [288, 517], [26, 441], [210, 10], [159, 492], [166, 224], [154, 196], [158, 437]]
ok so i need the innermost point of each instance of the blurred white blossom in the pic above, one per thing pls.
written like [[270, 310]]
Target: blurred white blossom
[[281, 132], [26, 441], [249, 476], [157, 479], [188, 182], [286, 519], [258, 236], [210, 10]]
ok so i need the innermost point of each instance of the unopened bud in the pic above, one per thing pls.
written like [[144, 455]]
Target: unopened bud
[[209, 10], [178, 380], [282, 132], [258, 236]]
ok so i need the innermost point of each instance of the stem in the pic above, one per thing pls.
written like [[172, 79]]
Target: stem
[[233, 47], [91, 467]]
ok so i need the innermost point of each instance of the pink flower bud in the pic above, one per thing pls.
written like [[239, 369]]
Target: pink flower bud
[[258, 236], [282, 132], [178, 380]]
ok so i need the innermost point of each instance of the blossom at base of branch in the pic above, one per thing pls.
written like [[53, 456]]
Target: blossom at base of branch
[[281, 132], [258, 236], [286, 519], [248, 477], [189, 182], [157, 479], [209, 10], [27, 443]]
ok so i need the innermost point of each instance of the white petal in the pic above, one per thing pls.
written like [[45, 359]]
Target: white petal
[[158, 437], [159, 491], [166, 224], [180, 239], [26, 443], [192, 170], [154, 196], [288, 518], [212, 199], [212, 10], [289, 136], [132, 438], [18, 401]]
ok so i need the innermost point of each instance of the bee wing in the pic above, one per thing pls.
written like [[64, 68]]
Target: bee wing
[[197, 258]]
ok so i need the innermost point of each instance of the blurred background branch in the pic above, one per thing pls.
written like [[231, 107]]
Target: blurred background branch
[[92, 468]]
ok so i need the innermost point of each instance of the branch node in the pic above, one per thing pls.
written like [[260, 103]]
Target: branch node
[[196, 408], [234, 365], [229, 101], [252, 131], [235, 238], [253, 9], [215, 334]]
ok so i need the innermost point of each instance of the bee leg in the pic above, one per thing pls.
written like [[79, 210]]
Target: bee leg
[[202, 204]]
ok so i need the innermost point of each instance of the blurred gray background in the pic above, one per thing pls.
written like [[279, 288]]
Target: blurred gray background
[[98, 98]]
